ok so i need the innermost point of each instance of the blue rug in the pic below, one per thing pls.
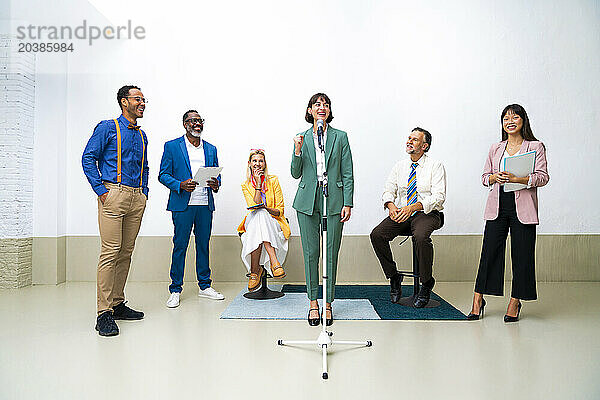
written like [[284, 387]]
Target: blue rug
[[379, 297], [352, 302]]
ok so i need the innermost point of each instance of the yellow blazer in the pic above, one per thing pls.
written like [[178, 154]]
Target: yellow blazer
[[274, 199]]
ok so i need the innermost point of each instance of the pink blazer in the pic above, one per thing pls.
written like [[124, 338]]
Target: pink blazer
[[525, 199]]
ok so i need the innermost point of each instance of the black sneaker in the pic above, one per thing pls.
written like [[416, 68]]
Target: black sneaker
[[121, 311], [105, 325]]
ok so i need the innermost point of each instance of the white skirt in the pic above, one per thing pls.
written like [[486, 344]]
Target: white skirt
[[262, 227]]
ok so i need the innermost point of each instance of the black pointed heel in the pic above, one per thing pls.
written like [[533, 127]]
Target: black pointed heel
[[475, 317], [508, 318], [328, 321], [313, 321]]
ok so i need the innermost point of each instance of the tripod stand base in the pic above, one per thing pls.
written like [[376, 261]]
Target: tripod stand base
[[410, 302], [324, 343]]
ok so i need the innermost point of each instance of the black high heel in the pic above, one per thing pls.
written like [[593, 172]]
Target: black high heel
[[313, 321], [475, 317], [328, 321], [508, 318]]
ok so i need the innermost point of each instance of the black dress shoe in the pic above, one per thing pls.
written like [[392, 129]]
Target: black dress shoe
[[508, 318], [474, 317], [121, 311], [105, 325], [396, 287], [313, 321], [424, 294]]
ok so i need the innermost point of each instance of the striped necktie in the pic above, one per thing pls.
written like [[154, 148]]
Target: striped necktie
[[411, 191]]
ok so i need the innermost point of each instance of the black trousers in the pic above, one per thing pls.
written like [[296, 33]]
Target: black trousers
[[490, 276], [419, 226]]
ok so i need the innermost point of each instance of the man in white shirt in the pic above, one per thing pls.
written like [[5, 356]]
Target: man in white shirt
[[191, 204], [414, 195]]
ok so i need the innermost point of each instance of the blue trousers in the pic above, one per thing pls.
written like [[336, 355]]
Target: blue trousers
[[200, 218]]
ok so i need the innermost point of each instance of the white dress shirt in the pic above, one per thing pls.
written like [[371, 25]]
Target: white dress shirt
[[320, 157], [431, 184], [199, 197]]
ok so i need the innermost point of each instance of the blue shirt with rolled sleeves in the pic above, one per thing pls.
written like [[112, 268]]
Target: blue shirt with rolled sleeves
[[99, 158]]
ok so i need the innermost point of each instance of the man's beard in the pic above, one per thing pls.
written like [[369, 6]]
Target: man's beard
[[196, 134]]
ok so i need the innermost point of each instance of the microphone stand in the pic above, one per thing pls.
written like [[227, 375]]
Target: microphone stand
[[324, 341]]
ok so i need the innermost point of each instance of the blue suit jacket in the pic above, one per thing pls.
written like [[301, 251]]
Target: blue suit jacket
[[175, 168]]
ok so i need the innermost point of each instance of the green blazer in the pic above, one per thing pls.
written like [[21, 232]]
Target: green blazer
[[338, 164]]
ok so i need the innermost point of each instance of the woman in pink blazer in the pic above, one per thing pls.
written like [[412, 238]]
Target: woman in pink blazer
[[515, 211]]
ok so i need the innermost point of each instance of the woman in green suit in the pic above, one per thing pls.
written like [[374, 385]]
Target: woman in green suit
[[311, 167]]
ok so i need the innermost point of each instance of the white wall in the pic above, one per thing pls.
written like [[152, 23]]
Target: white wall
[[17, 109], [250, 67], [50, 186]]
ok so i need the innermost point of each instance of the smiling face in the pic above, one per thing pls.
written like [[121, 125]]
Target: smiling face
[[134, 104], [416, 144], [257, 163], [512, 123], [193, 124], [320, 109]]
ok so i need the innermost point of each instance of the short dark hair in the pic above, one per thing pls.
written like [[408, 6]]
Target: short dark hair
[[315, 97], [427, 136], [124, 92], [188, 112], [526, 131]]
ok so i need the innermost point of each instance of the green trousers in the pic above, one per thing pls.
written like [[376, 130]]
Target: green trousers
[[310, 237]]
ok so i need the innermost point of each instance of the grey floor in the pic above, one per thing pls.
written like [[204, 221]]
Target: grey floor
[[49, 350]]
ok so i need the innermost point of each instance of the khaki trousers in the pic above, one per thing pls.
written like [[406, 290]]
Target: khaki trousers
[[119, 219]]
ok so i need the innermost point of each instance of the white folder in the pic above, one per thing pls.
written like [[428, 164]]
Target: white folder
[[519, 165], [205, 173]]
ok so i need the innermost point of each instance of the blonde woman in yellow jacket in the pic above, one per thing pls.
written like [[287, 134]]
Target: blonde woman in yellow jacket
[[265, 225]]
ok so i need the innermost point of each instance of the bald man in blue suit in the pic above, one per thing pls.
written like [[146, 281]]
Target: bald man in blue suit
[[190, 206]]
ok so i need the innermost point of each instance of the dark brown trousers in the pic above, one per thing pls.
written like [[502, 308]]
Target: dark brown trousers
[[419, 226]]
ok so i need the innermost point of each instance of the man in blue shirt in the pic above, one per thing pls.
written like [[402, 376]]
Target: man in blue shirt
[[115, 163], [191, 204]]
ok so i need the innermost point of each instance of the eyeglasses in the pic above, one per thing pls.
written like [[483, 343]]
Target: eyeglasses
[[194, 121], [138, 99]]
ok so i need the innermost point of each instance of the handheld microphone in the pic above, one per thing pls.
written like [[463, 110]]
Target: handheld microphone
[[320, 133]]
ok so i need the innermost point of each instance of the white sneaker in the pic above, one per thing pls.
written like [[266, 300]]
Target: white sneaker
[[173, 300], [211, 294]]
